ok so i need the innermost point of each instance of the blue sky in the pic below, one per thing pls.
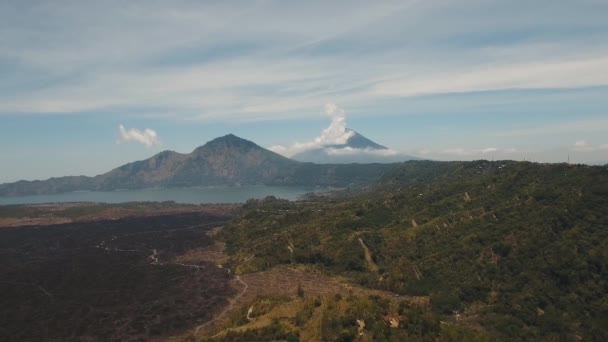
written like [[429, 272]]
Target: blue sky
[[446, 80]]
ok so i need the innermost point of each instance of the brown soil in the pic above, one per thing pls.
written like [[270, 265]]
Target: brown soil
[[371, 265], [212, 254], [284, 281]]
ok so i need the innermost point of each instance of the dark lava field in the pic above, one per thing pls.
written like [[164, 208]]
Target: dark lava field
[[109, 279]]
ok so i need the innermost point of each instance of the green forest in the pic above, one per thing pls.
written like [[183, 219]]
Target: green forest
[[504, 250]]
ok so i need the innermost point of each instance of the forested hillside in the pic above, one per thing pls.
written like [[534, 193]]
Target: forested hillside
[[503, 249]]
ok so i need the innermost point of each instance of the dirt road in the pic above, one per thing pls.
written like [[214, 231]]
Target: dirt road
[[371, 265]]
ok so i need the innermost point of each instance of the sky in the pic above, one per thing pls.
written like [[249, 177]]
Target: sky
[[86, 86]]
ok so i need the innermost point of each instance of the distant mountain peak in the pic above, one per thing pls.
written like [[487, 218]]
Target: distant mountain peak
[[226, 160], [229, 136], [356, 149], [357, 140], [230, 140]]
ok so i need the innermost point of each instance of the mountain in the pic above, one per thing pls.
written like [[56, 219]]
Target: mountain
[[225, 160], [228, 160], [358, 141], [356, 149]]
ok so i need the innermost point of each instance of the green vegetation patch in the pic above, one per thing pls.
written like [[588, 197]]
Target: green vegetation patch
[[517, 250]]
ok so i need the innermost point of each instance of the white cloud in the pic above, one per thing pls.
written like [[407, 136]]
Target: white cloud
[[188, 60], [349, 151], [146, 137], [459, 151], [335, 134], [584, 146], [582, 72], [576, 126], [489, 150]]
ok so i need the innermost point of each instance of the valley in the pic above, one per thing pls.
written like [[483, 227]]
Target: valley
[[478, 251]]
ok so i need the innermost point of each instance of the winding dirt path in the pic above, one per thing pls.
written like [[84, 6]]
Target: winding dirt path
[[227, 308]]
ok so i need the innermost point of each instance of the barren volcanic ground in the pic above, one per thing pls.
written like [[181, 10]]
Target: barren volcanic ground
[[110, 279]]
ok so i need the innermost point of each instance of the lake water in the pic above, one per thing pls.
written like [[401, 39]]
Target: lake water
[[195, 195]]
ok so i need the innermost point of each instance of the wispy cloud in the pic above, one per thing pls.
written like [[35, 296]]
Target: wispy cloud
[[146, 137], [187, 59], [493, 81], [582, 72], [574, 126]]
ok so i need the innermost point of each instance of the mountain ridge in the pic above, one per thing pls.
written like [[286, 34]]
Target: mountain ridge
[[226, 160]]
